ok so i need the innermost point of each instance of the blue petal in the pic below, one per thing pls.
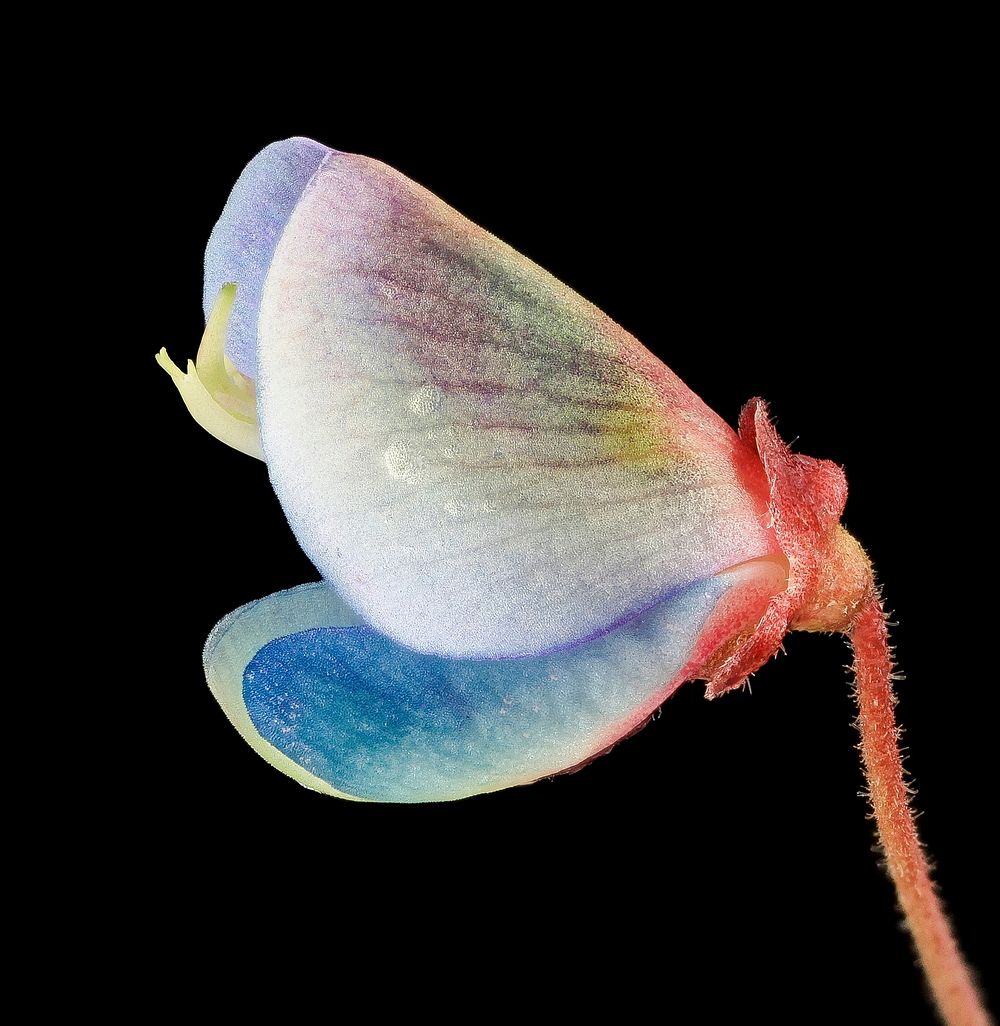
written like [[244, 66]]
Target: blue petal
[[374, 720], [236, 638]]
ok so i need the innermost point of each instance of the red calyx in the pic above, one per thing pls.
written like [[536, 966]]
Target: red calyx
[[829, 575]]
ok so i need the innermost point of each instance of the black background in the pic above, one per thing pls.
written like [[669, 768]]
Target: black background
[[721, 860]]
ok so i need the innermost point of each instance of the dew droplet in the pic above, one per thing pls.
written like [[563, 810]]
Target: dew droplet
[[426, 400], [399, 461]]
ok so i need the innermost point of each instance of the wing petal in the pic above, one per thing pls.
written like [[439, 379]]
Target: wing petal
[[344, 709], [478, 459]]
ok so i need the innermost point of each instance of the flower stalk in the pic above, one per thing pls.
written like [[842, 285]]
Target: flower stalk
[[948, 975]]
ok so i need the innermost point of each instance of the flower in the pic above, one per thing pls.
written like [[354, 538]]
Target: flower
[[530, 531]]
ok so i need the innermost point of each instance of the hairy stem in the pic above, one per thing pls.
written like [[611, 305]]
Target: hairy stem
[[949, 977]]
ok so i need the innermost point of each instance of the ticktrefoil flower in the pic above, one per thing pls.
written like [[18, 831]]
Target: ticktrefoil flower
[[530, 531]]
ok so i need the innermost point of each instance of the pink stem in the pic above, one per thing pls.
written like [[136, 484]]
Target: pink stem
[[949, 977]]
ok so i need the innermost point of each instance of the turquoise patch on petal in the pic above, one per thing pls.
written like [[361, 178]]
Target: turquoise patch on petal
[[386, 723]]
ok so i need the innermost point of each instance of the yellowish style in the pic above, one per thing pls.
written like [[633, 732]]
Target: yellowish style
[[221, 399]]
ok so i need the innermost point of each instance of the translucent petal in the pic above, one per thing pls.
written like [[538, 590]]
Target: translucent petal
[[242, 242], [236, 639]]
